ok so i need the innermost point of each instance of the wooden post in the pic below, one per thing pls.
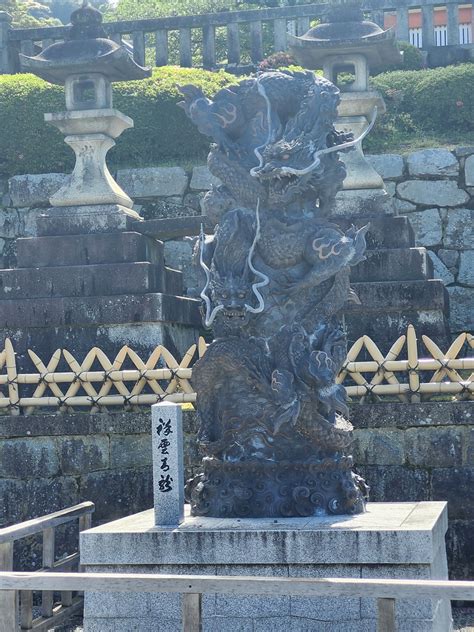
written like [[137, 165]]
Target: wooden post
[[413, 376], [139, 47], [26, 609], [48, 562], [233, 43], [192, 612], [209, 46], [5, 21], [12, 378], [27, 47], [402, 24], [453, 24], [302, 25], [279, 34], [428, 27], [185, 54], [161, 54], [256, 42], [386, 615], [9, 619]]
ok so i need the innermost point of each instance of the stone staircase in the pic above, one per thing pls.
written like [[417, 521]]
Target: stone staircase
[[395, 286], [81, 290]]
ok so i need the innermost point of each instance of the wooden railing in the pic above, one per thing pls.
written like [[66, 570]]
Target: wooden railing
[[155, 33], [386, 591], [241, 34], [410, 378], [16, 607], [98, 382]]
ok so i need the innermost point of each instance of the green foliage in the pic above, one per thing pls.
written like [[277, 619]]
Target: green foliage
[[412, 59], [131, 9], [28, 13], [162, 130], [276, 61], [62, 9], [420, 102], [424, 107]]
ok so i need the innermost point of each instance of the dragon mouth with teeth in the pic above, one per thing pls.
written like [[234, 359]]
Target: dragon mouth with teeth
[[234, 317]]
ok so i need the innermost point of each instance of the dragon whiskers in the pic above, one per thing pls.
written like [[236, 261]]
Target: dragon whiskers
[[265, 280], [329, 150]]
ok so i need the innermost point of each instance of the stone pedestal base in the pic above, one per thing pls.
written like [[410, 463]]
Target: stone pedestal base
[[390, 540], [356, 203], [74, 220]]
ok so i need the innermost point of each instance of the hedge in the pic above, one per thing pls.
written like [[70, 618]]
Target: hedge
[[439, 100], [162, 131]]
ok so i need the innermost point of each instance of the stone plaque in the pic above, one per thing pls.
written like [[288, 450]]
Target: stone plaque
[[168, 466]]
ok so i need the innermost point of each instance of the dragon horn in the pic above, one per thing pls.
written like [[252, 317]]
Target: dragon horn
[[265, 280]]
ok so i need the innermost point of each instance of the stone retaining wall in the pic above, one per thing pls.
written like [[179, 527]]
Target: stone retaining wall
[[407, 452], [52, 461], [433, 187]]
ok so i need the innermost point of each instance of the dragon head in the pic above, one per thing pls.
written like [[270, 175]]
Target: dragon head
[[232, 281], [280, 161]]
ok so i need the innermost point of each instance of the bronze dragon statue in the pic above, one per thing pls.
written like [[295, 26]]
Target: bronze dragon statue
[[275, 276]]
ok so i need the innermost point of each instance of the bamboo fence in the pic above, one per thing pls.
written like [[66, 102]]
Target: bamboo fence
[[98, 382], [415, 378]]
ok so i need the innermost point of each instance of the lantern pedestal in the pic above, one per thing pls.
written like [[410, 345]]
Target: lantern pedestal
[[91, 134]]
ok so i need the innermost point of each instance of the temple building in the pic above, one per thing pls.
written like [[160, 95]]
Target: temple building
[[449, 25]]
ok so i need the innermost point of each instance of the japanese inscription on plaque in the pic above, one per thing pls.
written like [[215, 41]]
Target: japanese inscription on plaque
[[168, 468]]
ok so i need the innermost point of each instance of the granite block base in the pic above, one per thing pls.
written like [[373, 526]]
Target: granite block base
[[390, 540]]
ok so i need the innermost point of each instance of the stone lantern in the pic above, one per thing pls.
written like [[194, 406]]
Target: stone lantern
[[87, 63], [346, 43]]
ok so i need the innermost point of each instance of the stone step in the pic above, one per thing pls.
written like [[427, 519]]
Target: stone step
[[402, 264], [79, 339], [400, 296], [388, 308], [90, 280], [73, 250], [385, 231], [385, 327], [98, 311]]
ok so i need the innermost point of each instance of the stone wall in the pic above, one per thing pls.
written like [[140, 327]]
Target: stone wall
[[406, 452], [52, 461], [422, 452], [433, 187]]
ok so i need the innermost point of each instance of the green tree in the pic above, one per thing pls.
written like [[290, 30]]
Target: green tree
[[62, 9], [28, 13], [135, 9]]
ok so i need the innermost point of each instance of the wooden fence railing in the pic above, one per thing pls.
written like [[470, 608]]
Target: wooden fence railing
[[386, 591], [155, 33], [128, 381], [16, 607], [97, 381], [412, 378], [251, 34]]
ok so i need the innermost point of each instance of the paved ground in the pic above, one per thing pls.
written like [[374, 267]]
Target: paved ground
[[463, 622]]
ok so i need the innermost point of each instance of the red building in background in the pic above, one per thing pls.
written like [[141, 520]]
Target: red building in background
[[439, 33]]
